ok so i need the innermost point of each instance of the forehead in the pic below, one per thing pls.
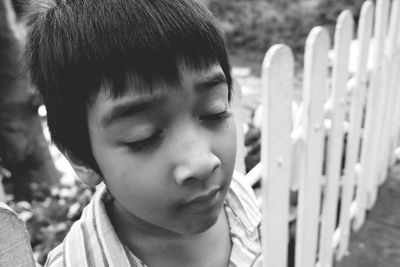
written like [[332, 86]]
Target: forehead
[[135, 85], [138, 96]]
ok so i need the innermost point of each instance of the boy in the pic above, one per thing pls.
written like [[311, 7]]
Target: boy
[[138, 99]]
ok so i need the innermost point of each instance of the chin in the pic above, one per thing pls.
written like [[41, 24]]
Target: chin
[[203, 224]]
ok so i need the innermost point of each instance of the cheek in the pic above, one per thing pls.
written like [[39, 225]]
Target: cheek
[[131, 174], [232, 134], [126, 175], [226, 145], [139, 186]]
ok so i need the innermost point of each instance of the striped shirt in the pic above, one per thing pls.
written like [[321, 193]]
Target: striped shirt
[[92, 240]]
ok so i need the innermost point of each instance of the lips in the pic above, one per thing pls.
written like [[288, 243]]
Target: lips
[[205, 197], [204, 202]]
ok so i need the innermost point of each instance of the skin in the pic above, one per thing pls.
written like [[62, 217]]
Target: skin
[[168, 165]]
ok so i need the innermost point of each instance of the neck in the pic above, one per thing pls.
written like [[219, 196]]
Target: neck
[[149, 242]]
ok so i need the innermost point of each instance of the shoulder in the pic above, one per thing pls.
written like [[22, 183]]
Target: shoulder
[[72, 251], [242, 193], [80, 241], [92, 240], [56, 257], [242, 201], [241, 188], [244, 221]]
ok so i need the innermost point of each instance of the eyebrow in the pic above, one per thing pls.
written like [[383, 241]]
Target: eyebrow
[[210, 81], [130, 108], [140, 105]]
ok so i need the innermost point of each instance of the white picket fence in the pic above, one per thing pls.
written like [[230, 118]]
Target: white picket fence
[[351, 91]]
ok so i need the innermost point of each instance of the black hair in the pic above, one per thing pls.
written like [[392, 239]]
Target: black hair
[[73, 46]]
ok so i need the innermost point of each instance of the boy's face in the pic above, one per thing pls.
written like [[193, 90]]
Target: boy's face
[[167, 156]]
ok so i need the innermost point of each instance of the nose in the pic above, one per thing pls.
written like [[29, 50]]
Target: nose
[[198, 165]]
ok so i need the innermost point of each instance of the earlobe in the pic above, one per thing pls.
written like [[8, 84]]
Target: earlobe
[[86, 174]]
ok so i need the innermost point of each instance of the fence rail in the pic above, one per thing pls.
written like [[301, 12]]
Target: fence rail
[[342, 148]]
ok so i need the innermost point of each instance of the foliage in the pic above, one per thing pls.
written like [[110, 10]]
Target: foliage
[[256, 24], [329, 10], [252, 26], [50, 215]]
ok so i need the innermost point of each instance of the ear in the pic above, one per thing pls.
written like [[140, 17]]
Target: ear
[[86, 174]]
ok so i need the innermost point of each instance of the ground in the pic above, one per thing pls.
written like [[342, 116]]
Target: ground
[[377, 243]]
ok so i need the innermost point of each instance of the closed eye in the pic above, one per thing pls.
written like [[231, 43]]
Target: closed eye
[[217, 116], [146, 143]]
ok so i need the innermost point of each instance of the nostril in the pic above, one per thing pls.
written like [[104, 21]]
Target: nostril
[[215, 168], [181, 174], [196, 169], [216, 162]]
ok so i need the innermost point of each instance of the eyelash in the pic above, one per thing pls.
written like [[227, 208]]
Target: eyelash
[[218, 116], [152, 140], [146, 143]]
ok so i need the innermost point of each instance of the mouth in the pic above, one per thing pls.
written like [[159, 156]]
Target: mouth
[[204, 202], [205, 197]]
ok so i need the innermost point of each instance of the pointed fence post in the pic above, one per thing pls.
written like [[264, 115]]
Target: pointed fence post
[[237, 111], [356, 113], [378, 83], [394, 124], [340, 75], [389, 86], [371, 126], [396, 117], [277, 86], [2, 191], [314, 93]]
